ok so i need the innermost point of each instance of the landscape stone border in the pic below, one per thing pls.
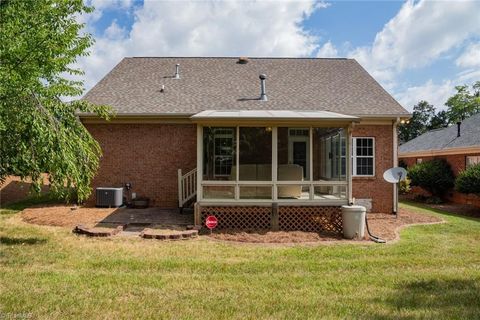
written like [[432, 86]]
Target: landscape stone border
[[177, 235], [97, 232]]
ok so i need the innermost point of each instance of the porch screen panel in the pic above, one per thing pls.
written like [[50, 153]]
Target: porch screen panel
[[293, 150], [329, 154], [255, 154], [219, 145]]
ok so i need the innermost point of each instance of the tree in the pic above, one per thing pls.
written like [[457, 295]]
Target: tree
[[422, 114], [439, 120], [39, 133], [464, 103]]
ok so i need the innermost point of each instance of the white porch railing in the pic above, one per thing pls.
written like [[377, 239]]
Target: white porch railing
[[187, 186]]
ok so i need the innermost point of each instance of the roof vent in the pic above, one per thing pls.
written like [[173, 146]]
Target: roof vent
[[459, 126], [177, 71], [242, 60], [263, 93]]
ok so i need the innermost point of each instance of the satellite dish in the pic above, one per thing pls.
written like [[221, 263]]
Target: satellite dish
[[395, 175]]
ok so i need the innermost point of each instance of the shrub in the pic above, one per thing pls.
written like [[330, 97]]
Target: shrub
[[435, 176], [468, 181], [405, 186]]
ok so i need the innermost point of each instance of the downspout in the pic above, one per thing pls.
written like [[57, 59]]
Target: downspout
[[395, 164], [351, 199]]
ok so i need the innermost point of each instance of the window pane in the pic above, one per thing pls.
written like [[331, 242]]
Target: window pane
[[218, 192], [251, 192], [255, 154], [329, 154], [293, 154], [219, 145], [294, 192], [364, 166], [329, 192]]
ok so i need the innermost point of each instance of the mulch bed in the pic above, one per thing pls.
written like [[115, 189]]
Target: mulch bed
[[382, 225], [65, 216]]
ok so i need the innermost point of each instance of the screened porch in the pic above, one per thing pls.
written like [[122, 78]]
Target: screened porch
[[273, 156]]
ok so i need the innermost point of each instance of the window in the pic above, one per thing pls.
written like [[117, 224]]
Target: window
[[472, 160], [218, 153], [419, 160], [363, 156]]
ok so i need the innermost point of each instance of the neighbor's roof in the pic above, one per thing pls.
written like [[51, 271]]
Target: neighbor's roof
[[446, 138], [133, 87]]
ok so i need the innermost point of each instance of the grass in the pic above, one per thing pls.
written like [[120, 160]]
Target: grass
[[432, 272]]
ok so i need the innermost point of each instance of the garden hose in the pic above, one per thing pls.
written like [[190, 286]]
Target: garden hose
[[372, 237]]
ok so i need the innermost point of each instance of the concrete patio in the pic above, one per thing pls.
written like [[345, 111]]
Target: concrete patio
[[149, 216]]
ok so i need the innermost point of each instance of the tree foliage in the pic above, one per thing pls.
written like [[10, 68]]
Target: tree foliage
[[468, 181], [435, 176], [421, 122], [39, 43], [464, 103]]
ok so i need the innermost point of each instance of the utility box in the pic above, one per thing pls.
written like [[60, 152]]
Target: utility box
[[353, 218], [109, 197]]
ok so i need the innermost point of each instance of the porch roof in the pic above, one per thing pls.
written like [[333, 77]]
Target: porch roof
[[272, 116]]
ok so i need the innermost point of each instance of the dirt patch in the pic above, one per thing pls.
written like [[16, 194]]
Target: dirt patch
[[64, 216], [382, 225]]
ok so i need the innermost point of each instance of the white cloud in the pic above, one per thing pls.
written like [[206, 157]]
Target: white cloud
[[203, 29], [328, 50], [470, 57], [114, 31], [435, 94], [420, 33]]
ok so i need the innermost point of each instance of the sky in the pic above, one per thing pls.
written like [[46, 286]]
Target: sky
[[417, 50]]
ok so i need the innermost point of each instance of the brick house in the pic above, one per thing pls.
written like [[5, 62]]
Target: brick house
[[459, 145], [310, 135]]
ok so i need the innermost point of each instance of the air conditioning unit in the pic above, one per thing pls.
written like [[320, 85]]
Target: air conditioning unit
[[109, 197]]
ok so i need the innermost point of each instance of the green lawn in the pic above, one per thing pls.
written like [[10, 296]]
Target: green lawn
[[46, 272]]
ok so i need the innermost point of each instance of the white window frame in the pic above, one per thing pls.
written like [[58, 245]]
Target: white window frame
[[419, 160], [471, 161], [354, 157]]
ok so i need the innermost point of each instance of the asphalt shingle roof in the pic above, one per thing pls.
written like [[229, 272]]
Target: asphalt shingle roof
[[301, 84], [446, 138]]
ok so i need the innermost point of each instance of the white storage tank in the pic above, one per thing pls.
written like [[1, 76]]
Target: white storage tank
[[353, 218]]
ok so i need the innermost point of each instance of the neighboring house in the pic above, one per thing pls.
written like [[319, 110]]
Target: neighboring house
[[458, 144], [246, 147]]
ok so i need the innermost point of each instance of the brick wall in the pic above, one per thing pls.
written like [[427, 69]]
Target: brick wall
[[458, 163], [145, 155], [14, 189], [375, 188], [148, 156]]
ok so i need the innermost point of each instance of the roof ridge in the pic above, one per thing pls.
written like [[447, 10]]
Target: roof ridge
[[235, 57]]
